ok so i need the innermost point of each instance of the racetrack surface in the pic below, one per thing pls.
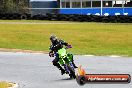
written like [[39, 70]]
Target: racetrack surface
[[35, 70]]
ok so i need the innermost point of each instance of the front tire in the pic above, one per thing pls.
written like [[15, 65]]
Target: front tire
[[72, 72]]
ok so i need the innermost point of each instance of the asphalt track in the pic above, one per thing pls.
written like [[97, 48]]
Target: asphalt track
[[35, 70]]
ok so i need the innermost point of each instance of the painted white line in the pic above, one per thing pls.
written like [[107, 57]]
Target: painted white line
[[115, 56], [89, 55], [40, 23], [108, 56]]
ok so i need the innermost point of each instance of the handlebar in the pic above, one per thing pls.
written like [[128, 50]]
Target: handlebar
[[69, 46]]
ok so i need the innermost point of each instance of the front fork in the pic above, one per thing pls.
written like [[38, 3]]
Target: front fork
[[66, 68]]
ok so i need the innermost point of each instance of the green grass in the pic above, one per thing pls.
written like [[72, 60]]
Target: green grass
[[86, 38]]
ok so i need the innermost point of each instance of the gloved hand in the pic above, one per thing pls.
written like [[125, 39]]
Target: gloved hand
[[69, 46], [51, 54]]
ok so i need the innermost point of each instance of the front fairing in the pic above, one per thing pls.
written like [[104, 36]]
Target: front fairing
[[62, 53], [63, 57]]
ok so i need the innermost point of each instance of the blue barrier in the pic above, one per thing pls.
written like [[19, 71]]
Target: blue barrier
[[94, 11]]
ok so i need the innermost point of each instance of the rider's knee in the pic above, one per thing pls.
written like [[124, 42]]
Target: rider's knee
[[55, 63]]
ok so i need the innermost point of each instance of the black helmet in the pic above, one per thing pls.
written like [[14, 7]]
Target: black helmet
[[53, 38]]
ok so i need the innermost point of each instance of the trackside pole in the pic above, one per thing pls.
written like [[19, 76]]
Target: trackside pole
[[101, 6]]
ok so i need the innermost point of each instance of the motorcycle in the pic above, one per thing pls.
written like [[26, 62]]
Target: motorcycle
[[65, 60]]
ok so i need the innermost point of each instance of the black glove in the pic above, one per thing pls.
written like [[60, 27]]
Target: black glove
[[51, 54]]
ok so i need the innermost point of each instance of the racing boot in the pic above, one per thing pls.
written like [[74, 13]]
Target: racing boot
[[59, 67], [62, 71]]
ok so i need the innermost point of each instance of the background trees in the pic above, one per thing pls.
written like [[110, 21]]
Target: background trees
[[14, 6]]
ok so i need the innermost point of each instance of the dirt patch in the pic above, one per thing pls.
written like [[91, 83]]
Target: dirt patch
[[20, 50]]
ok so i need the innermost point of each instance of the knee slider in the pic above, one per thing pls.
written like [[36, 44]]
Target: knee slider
[[55, 63]]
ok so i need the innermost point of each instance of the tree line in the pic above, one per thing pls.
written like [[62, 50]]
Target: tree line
[[14, 6]]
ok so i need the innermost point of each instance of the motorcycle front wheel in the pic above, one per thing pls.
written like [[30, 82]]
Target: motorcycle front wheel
[[72, 72]]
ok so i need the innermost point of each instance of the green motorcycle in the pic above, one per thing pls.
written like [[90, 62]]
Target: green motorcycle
[[65, 60]]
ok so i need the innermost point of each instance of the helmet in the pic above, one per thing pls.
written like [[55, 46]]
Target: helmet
[[53, 38]]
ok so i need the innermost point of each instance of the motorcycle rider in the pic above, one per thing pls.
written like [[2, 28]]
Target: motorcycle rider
[[54, 47]]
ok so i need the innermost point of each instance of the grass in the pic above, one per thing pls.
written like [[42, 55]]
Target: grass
[[4, 85], [86, 38]]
